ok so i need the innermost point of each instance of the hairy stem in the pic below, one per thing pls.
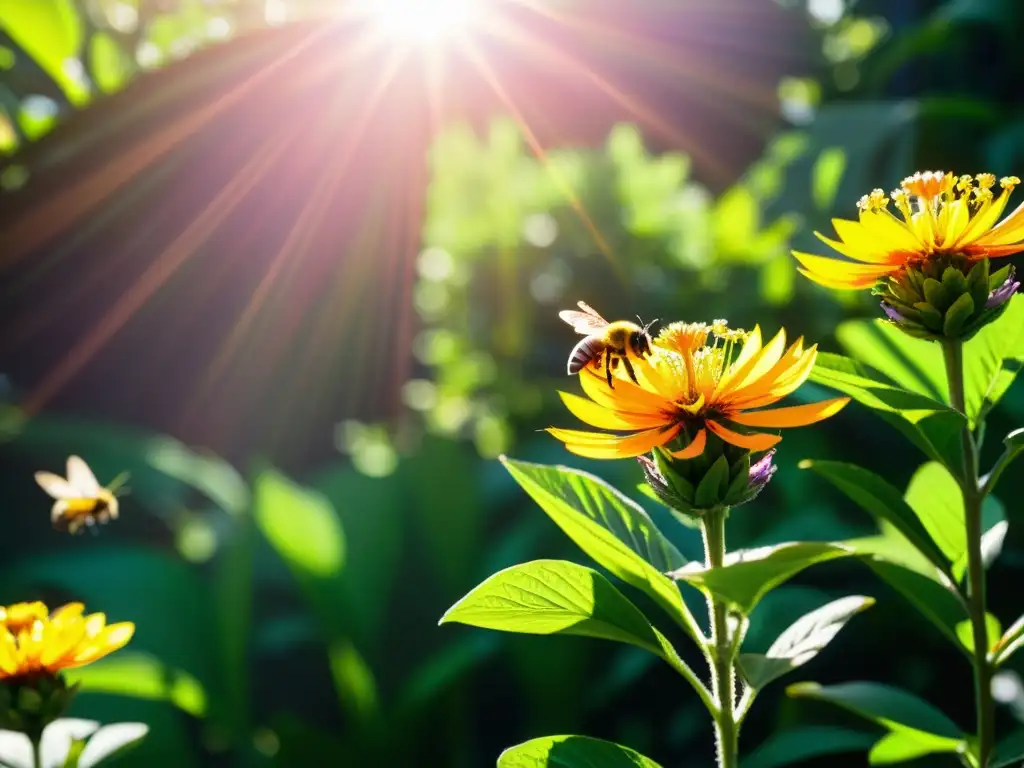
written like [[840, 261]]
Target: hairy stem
[[720, 652], [973, 498]]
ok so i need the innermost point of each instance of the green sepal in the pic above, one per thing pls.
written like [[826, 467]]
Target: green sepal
[[28, 705], [977, 283], [930, 316], [740, 474], [713, 485], [676, 482], [953, 281], [957, 315], [936, 295], [997, 278]]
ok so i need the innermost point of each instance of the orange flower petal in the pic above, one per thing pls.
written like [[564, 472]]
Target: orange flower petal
[[757, 366], [694, 449], [626, 396], [596, 445], [593, 414], [1009, 230], [846, 273], [978, 251], [750, 348], [791, 416], [897, 235], [755, 442], [792, 371]]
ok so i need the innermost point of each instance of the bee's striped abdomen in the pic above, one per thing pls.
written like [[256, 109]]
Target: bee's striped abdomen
[[585, 352]]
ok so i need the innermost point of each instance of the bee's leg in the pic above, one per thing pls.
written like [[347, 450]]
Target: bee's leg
[[608, 367], [629, 369]]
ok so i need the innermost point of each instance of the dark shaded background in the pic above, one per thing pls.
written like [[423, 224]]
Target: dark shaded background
[[224, 251]]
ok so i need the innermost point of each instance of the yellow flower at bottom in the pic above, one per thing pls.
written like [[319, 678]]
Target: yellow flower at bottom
[[686, 389], [34, 641]]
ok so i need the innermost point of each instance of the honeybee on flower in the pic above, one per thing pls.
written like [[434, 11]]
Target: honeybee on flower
[[698, 379], [80, 499], [605, 343]]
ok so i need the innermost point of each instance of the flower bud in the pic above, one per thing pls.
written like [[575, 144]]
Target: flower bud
[[722, 476], [948, 297], [31, 702]]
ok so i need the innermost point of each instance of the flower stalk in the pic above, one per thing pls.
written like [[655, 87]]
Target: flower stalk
[[721, 658], [973, 497]]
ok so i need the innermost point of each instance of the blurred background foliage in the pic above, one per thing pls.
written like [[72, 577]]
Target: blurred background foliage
[[301, 517]]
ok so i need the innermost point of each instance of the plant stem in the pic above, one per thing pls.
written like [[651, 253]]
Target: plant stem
[[723, 671], [37, 750], [973, 498]]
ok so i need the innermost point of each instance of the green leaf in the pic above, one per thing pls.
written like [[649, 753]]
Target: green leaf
[[891, 545], [799, 744], [1009, 643], [1014, 447], [876, 496], [304, 529], [50, 32], [802, 641], [450, 515], [142, 676], [372, 515], [902, 746], [612, 529], [300, 524], [992, 360], [572, 752], [748, 575], [933, 600], [826, 175], [935, 496], [965, 633], [354, 681], [892, 708], [583, 494], [546, 597], [1010, 751], [932, 426], [913, 364]]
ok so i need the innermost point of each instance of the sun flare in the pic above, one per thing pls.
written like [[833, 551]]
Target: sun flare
[[424, 21]]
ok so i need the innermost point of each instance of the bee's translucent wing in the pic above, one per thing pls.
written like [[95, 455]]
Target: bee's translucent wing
[[590, 311], [586, 322], [82, 478], [56, 486]]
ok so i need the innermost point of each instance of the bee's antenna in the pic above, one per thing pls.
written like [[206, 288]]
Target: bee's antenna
[[648, 326]]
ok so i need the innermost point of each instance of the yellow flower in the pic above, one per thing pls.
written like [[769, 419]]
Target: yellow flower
[[941, 214], [687, 387], [34, 641]]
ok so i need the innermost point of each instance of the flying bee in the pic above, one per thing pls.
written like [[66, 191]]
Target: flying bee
[[612, 341], [80, 500]]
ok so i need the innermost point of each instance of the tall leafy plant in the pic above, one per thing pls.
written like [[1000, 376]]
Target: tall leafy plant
[[693, 413], [950, 349]]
